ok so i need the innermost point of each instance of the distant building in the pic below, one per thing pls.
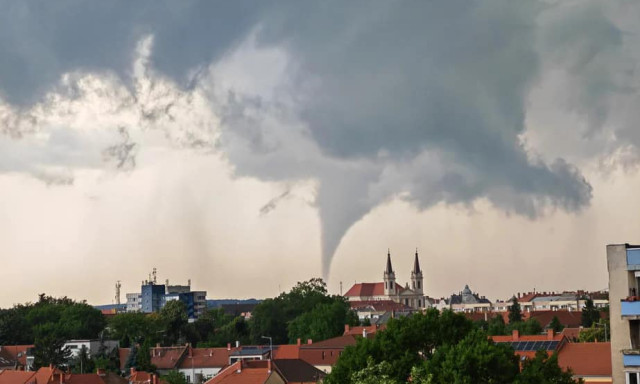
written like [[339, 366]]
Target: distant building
[[93, 347], [466, 301], [153, 297], [389, 290]]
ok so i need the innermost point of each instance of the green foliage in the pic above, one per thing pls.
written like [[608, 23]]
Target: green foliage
[[475, 359], [272, 317], [49, 347], [82, 363], [555, 325], [590, 314], [174, 318], [175, 377], [54, 318], [529, 327], [515, 313], [599, 331], [143, 358], [496, 326], [544, 370], [132, 327], [404, 344], [374, 374], [322, 322]]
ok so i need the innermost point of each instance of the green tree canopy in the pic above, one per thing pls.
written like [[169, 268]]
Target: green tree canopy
[[174, 318], [590, 314], [515, 313]]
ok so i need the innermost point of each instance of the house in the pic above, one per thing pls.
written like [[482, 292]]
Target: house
[[468, 301], [201, 364], [363, 330], [590, 362], [390, 290], [16, 357], [526, 346], [93, 347], [374, 309], [141, 377], [164, 358], [50, 375], [324, 354], [286, 371]]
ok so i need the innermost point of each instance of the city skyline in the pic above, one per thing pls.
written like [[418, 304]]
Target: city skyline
[[248, 146]]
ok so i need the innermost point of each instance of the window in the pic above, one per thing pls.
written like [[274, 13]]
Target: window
[[188, 378], [418, 284], [632, 378]]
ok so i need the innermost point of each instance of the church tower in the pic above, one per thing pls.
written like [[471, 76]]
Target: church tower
[[416, 276], [389, 278]]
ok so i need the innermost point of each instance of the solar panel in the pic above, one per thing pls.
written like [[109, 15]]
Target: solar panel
[[553, 345]]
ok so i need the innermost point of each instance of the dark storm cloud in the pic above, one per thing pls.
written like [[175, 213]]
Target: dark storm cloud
[[424, 100]]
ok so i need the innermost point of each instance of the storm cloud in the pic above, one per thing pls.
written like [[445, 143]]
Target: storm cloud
[[370, 100]]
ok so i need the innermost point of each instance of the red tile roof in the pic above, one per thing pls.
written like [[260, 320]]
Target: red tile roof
[[358, 330], [16, 352], [167, 357], [287, 351], [206, 358], [335, 342], [243, 372], [567, 318], [513, 337], [369, 289], [87, 378], [586, 359], [16, 377], [573, 334]]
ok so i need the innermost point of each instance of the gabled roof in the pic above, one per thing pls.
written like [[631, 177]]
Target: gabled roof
[[243, 372], [567, 318], [286, 351], [16, 377], [167, 357], [369, 289], [297, 371], [586, 359], [15, 353], [206, 358]]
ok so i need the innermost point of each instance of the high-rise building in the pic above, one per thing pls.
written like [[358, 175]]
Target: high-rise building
[[623, 263]]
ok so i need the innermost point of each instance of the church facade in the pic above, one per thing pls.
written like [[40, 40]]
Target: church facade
[[412, 296]]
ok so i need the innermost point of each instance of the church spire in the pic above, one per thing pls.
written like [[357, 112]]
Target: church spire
[[416, 263], [389, 269]]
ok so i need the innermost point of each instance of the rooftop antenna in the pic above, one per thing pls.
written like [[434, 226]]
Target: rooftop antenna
[[154, 275], [189, 283], [341, 288], [118, 285]]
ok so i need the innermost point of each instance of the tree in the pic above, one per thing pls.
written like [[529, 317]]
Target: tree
[[555, 325], [515, 314], [597, 332], [174, 318], [133, 327], [475, 359], [175, 377], [323, 322], [49, 348], [143, 358], [590, 314], [529, 327], [543, 369], [82, 363], [374, 374], [404, 344], [496, 326]]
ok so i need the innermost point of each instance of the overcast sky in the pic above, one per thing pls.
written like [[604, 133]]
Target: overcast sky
[[248, 145]]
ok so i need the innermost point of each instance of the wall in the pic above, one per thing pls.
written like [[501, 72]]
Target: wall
[[618, 289]]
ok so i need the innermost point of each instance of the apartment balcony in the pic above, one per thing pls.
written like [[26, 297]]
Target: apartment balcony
[[633, 259], [630, 309], [631, 357]]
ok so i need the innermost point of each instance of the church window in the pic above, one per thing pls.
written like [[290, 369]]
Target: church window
[[418, 285]]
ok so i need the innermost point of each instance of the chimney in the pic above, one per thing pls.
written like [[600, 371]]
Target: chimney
[[50, 366], [239, 366], [269, 366], [550, 334], [518, 295], [309, 341], [133, 371], [237, 344], [364, 332], [101, 372], [228, 346], [346, 329], [157, 345], [299, 342], [154, 378], [515, 335]]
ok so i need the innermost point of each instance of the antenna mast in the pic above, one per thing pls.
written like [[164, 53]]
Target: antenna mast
[[154, 276], [118, 285]]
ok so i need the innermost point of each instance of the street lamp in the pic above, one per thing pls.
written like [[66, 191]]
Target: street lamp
[[270, 346]]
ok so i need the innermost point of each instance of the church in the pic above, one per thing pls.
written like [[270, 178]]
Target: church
[[390, 290]]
